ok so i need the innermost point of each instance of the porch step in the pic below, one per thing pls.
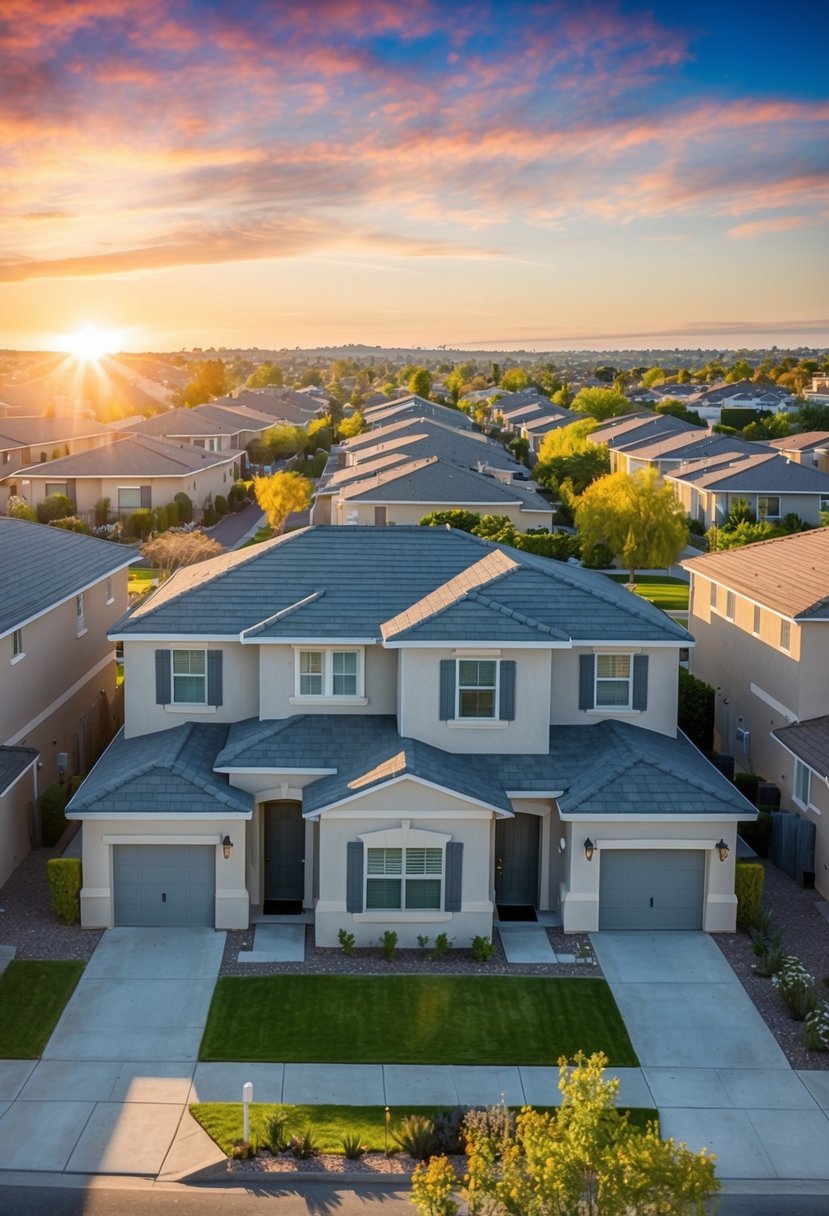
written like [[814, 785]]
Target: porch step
[[276, 944], [526, 944]]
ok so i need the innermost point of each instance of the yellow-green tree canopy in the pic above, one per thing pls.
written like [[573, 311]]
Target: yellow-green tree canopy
[[420, 382], [266, 373], [355, 424], [637, 516], [600, 403], [280, 495], [567, 440], [514, 380]]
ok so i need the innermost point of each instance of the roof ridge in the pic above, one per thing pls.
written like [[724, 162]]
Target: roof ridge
[[282, 613], [512, 613]]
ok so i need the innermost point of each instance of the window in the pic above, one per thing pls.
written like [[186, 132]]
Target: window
[[129, 498], [110, 596], [613, 672], [712, 598], [758, 616], [824, 501], [768, 506], [802, 783], [329, 673], [79, 616], [404, 878], [17, 644], [189, 677], [56, 487], [7, 457], [785, 635], [730, 604], [477, 688]]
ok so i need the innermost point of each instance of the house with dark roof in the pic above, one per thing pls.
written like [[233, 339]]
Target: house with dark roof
[[403, 728], [29, 440], [59, 594], [810, 448], [771, 485], [412, 406], [216, 428], [760, 615]]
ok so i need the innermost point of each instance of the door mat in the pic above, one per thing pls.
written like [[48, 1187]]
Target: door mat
[[525, 912], [282, 907]]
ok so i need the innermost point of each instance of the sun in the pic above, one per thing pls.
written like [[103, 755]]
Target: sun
[[90, 343]]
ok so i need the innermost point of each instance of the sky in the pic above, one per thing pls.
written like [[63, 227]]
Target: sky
[[502, 174]]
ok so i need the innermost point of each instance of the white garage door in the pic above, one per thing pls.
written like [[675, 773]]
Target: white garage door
[[651, 888], [169, 884]]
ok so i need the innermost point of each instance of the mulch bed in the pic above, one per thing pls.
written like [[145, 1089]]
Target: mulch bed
[[27, 921], [398, 1164]]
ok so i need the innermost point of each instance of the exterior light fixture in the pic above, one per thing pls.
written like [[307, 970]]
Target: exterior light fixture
[[588, 849], [722, 849], [227, 845]]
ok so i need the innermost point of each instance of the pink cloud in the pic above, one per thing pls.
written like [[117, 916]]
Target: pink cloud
[[781, 223]]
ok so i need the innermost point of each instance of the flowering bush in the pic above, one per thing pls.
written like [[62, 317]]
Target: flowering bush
[[796, 986], [816, 1030]]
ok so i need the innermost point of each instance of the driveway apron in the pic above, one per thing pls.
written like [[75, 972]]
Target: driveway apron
[[109, 1094], [717, 1075]]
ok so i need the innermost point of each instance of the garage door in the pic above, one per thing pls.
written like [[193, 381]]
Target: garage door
[[651, 888], [164, 884]]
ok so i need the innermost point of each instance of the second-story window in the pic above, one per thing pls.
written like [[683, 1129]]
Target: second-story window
[[613, 680], [329, 673], [189, 677], [785, 635], [730, 605], [110, 596], [79, 614], [17, 645], [802, 783], [477, 688]]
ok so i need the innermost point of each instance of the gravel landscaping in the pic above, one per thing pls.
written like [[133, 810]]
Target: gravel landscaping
[[27, 921], [805, 934]]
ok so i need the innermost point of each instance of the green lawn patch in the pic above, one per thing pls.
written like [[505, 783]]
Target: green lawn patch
[[329, 1124], [669, 594], [32, 998], [413, 1019]]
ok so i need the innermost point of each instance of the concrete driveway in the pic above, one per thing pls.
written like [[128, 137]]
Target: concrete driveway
[[718, 1078]]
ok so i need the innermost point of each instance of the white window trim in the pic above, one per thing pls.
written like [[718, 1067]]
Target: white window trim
[[17, 637], [110, 593], [80, 614], [767, 514], [597, 679], [327, 697], [787, 649], [405, 837], [187, 706], [799, 766], [495, 719]]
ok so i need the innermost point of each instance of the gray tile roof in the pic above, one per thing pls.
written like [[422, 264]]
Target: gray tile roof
[[425, 437], [170, 771], [29, 432], [131, 456], [346, 582], [686, 446], [433, 480], [41, 566], [639, 428], [765, 473], [806, 442], [13, 763], [204, 420], [809, 741], [412, 405]]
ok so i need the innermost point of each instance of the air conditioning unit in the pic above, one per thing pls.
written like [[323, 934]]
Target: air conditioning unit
[[744, 739]]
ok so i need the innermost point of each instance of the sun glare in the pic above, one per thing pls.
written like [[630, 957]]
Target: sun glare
[[90, 343]]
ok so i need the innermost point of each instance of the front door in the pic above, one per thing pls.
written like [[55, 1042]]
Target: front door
[[284, 853], [516, 860]]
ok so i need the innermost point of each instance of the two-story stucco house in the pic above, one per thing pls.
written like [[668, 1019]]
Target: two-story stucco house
[[760, 615], [403, 728], [59, 594]]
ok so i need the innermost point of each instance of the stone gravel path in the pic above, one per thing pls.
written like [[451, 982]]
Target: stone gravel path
[[27, 921]]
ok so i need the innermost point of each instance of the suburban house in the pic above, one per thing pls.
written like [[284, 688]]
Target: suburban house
[[61, 592], [635, 430], [133, 471], [740, 395], [216, 428], [772, 486], [24, 441], [666, 453], [412, 406], [810, 448], [403, 728], [760, 615]]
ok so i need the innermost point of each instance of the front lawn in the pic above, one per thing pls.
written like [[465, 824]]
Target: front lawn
[[669, 594], [32, 998], [329, 1124], [413, 1019]]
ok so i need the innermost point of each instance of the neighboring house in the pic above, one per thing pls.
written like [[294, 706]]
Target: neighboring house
[[811, 448], [669, 453], [412, 406], [403, 728], [24, 441], [760, 615], [282, 405], [741, 395], [215, 428], [133, 471], [772, 486], [635, 430], [59, 594]]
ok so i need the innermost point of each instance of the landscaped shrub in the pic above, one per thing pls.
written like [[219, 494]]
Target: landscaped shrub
[[140, 523], [747, 784], [490, 1126], [816, 1029], [221, 504], [102, 507], [242, 1150], [53, 822], [72, 523], [388, 944], [236, 496], [442, 946], [276, 1132], [482, 949], [415, 1135], [54, 506], [303, 1145], [18, 508], [797, 987], [448, 1131], [64, 875], [748, 887], [770, 960], [210, 516], [432, 1187], [185, 508], [353, 1147], [695, 711], [346, 940]]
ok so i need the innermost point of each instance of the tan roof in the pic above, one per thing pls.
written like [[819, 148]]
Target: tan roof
[[789, 574], [797, 443]]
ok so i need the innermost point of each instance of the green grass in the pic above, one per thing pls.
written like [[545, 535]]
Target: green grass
[[413, 1019], [223, 1122], [139, 579], [32, 997], [669, 594]]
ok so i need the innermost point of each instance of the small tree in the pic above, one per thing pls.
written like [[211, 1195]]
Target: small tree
[[420, 382], [280, 495], [18, 508], [54, 506], [173, 549], [185, 507], [351, 426], [515, 380], [600, 403], [637, 516]]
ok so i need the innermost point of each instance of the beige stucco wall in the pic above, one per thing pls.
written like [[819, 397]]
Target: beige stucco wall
[[240, 687], [351, 511], [277, 683], [813, 639], [663, 681], [101, 835], [212, 481], [419, 703], [580, 893], [16, 822]]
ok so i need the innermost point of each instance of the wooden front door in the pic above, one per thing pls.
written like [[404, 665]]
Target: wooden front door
[[284, 851], [516, 860]]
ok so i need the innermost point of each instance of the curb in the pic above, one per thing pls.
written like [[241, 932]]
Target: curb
[[219, 1172]]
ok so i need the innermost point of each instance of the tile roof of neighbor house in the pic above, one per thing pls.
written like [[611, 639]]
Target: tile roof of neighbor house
[[689, 447], [765, 473], [28, 432], [434, 480], [204, 420], [172, 768], [809, 741], [330, 582], [789, 574], [132, 456], [428, 437], [419, 406], [541, 426], [13, 764], [42, 566], [792, 443], [610, 768], [637, 428]]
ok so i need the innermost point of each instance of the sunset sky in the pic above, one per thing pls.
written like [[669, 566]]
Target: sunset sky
[[514, 173]]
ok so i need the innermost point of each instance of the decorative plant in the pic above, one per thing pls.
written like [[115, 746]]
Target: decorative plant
[[423, 940], [242, 1150], [796, 986], [346, 940], [416, 1136], [303, 1145], [771, 959], [816, 1029], [442, 946], [482, 949], [388, 944], [353, 1147], [432, 1187], [276, 1135]]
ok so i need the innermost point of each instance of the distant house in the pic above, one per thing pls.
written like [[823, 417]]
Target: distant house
[[412, 406], [771, 485], [59, 594], [742, 395], [810, 448], [213, 427], [668, 453], [760, 615], [26, 440]]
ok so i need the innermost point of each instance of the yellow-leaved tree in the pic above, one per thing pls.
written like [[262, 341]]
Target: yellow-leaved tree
[[280, 495]]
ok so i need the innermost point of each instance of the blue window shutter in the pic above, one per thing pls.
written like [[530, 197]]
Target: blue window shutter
[[214, 677], [447, 689], [163, 690], [507, 691], [454, 876], [354, 876], [640, 681], [587, 668], [146, 497]]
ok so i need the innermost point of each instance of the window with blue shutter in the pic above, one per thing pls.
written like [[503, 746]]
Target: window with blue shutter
[[640, 681], [587, 668], [214, 677], [162, 677], [354, 876], [506, 709], [454, 876]]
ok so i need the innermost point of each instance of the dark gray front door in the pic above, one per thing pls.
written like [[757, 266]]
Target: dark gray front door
[[516, 860], [284, 851], [651, 888], [165, 884]]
